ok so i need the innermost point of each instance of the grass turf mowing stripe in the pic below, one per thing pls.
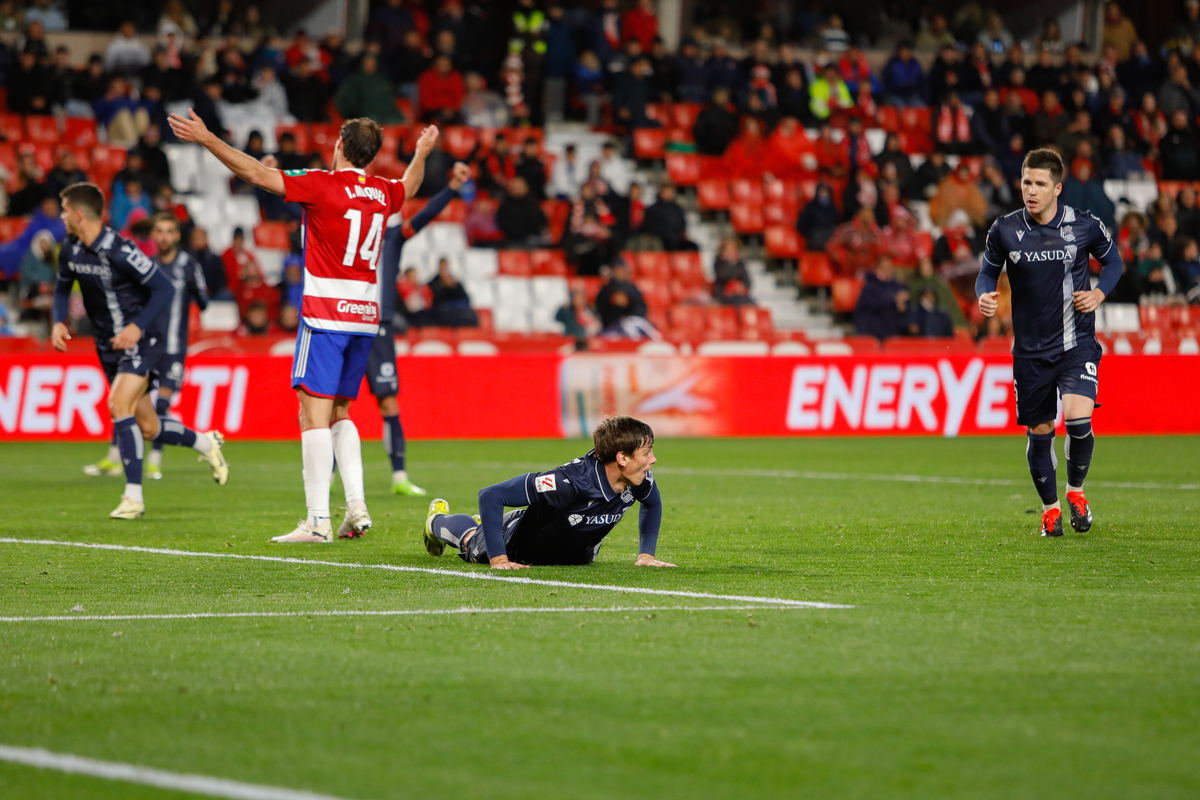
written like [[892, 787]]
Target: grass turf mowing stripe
[[408, 612], [131, 773], [482, 576]]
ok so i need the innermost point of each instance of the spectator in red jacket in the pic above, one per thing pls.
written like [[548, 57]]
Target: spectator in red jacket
[[746, 156], [790, 153], [854, 248], [833, 158], [440, 91], [242, 273], [640, 23]]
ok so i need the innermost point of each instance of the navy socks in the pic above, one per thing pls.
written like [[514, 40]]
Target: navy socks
[[1042, 464], [129, 442], [1078, 448], [393, 441], [450, 528]]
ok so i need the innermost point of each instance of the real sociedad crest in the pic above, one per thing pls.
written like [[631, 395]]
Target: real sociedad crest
[[1015, 256], [574, 519], [1066, 233]]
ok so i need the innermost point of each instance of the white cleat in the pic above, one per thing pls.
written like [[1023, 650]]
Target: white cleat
[[306, 533], [356, 523], [128, 508], [215, 458]]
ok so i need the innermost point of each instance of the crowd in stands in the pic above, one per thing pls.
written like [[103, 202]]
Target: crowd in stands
[[956, 105]]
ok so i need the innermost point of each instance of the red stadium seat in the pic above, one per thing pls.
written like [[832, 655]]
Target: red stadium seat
[[548, 262], [8, 157], [776, 191], [807, 190], [659, 112], [83, 157], [273, 236], [995, 344], [518, 136], [924, 244], [649, 143], [784, 241], [747, 219], [11, 128], [456, 211], [684, 114], [780, 213], [590, 284], [862, 344], [845, 293], [412, 206], [324, 134], [720, 323], [713, 168], [815, 270], [916, 118], [42, 128], [657, 293], [677, 134], [754, 323], [712, 195], [460, 141], [940, 345], [915, 142], [683, 168], [79, 132], [393, 135], [653, 265], [43, 153], [300, 131], [557, 213], [686, 267], [742, 190], [515, 263], [686, 323], [889, 118]]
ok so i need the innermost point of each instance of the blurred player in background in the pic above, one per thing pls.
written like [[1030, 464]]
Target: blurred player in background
[[1045, 247], [562, 515], [126, 296], [382, 376], [344, 215]]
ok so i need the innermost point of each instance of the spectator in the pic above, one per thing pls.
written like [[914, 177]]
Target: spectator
[[257, 321], [176, 19], [899, 239], [409, 62], [930, 175], [957, 192], [893, 154], [996, 191], [790, 153], [692, 86], [170, 80], [65, 173], [242, 273], [1186, 265], [289, 316], [154, 159], [619, 297], [996, 37], [288, 156], [926, 280], [29, 88], [1180, 155], [368, 94], [723, 69], [532, 167], [568, 174], [126, 53], [61, 77], [28, 188], [211, 264], [389, 24], [44, 12], [134, 170], [716, 125], [1187, 212], [989, 125], [129, 205], [441, 91], [641, 23], [5, 328], [829, 94], [35, 289], [416, 298], [793, 98], [291, 286], [1154, 274], [946, 75], [666, 219], [1186, 32], [481, 107], [632, 92], [637, 209], [833, 158], [589, 85], [1045, 75], [1118, 31], [577, 317], [451, 305], [936, 36], [1177, 93], [1150, 123], [498, 167], [904, 79], [952, 127], [560, 62], [854, 246], [731, 279], [1115, 113], [882, 303], [746, 155], [834, 36], [204, 103], [519, 217], [273, 95], [306, 93], [818, 220], [603, 33], [1077, 139], [1051, 121], [927, 317]]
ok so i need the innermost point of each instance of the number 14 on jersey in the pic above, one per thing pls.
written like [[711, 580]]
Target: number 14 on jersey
[[369, 252]]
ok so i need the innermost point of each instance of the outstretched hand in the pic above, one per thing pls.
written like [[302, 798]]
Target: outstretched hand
[[502, 562], [647, 560], [191, 129], [426, 140], [269, 161]]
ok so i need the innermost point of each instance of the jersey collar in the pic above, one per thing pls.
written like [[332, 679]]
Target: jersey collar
[[1054, 223], [359, 170], [601, 475], [98, 242]]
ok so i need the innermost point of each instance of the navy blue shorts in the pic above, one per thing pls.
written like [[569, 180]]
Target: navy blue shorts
[[382, 377], [1038, 382], [169, 369], [141, 359], [330, 364], [476, 550]]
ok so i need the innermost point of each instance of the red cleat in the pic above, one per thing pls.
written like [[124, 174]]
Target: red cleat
[[1052, 523], [1081, 512]]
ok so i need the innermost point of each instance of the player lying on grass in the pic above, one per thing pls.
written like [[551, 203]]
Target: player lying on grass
[[562, 515], [345, 211], [125, 295], [1045, 247]]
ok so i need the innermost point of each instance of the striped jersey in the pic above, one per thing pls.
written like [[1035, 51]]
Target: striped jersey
[[113, 275], [345, 213], [187, 277], [1046, 265]]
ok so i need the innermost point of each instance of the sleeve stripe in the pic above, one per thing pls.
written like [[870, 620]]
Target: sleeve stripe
[[1106, 251], [993, 263]]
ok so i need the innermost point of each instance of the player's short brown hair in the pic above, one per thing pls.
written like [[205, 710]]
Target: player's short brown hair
[[620, 434], [1044, 158], [166, 216], [361, 140], [86, 197]]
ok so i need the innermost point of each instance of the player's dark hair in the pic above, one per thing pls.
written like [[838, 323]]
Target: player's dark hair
[[1045, 159], [166, 216], [86, 197], [620, 435], [361, 140]]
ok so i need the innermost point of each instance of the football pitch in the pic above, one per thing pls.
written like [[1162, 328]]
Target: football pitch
[[850, 618]]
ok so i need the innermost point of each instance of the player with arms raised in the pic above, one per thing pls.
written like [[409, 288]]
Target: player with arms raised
[[345, 211], [1045, 247]]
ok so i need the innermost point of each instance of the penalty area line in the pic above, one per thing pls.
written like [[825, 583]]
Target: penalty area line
[[479, 576], [407, 612], [148, 776]]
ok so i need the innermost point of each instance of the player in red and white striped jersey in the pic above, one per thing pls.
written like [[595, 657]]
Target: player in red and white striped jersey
[[345, 214]]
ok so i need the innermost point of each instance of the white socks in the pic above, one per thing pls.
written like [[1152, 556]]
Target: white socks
[[316, 445], [348, 449], [399, 475], [203, 444], [134, 492], [114, 454], [1071, 488], [155, 458]]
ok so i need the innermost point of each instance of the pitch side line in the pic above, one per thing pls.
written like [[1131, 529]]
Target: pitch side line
[[479, 576], [831, 476], [148, 776], [413, 612]]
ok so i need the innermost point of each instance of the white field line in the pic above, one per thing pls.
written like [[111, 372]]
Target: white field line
[[807, 475], [479, 576], [408, 612], [131, 773]]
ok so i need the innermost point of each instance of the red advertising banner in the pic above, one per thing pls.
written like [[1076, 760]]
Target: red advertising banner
[[52, 396]]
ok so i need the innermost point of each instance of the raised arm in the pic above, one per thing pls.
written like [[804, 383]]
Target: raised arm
[[197, 287], [414, 176], [245, 167], [458, 176], [512, 493]]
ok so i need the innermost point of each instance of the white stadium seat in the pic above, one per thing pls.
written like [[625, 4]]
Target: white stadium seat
[[511, 312], [448, 237], [432, 347], [481, 263], [477, 347], [1120, 318], [221, 315], [242, 211], [549, 295], [733, 349], [185, 165], [270, 261], [481, 292]]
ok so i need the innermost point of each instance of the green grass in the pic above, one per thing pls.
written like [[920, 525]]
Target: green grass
[[980, 660]]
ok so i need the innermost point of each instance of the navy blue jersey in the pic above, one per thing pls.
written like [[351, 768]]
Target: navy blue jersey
[[570, 510], [1046, 264], [393, 242], [187, 277], [116, 280]]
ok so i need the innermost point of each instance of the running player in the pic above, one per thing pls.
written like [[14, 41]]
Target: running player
[[562, 515], [125, 295], [344, 215], [1045, 247], [382, 376]]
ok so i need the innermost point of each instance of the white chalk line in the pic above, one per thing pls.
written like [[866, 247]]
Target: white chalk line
[[148, 776], [831, 476], [406, 612], [479, 576]]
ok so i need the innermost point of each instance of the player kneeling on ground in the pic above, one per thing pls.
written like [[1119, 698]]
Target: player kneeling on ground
[[561, 516]]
